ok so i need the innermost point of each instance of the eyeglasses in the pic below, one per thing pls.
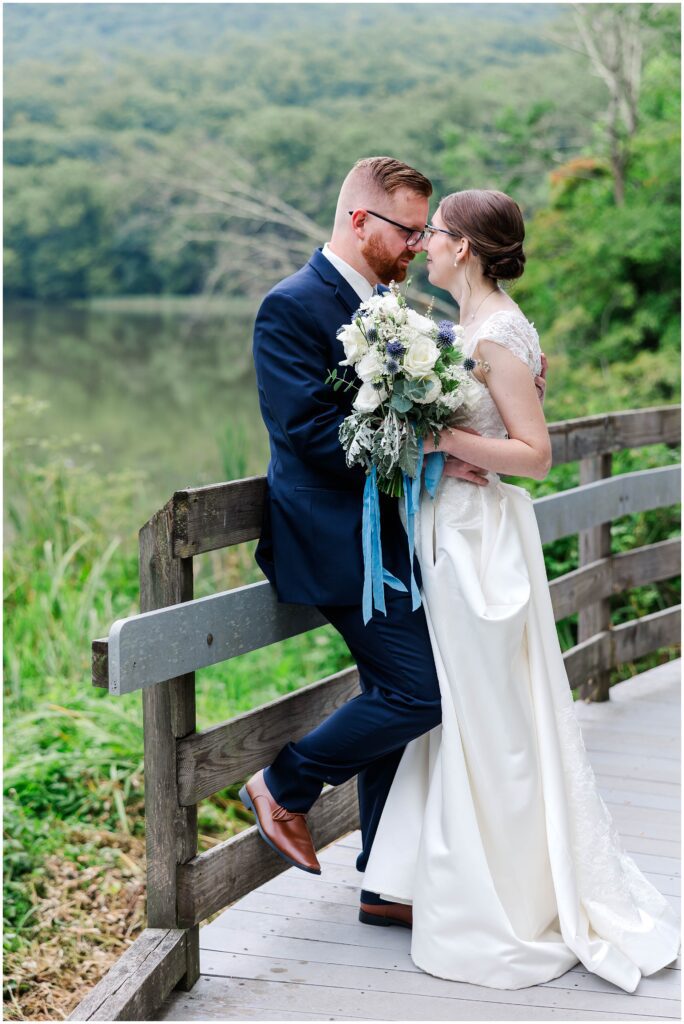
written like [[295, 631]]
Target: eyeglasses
[[413, 235], [430, 230]]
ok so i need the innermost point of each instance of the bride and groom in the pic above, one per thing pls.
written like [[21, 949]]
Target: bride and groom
[[482, 826]]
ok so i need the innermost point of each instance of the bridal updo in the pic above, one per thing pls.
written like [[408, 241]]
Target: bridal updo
[[493, 224]]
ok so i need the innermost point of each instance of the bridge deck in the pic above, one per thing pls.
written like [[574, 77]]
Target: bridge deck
[[294, 949]]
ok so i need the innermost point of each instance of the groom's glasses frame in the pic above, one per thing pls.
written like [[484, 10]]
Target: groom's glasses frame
[[414, 236]]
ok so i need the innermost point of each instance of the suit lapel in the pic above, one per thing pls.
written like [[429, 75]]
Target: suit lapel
[[343, 290]]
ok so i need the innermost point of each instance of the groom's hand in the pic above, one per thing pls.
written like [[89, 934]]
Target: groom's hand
[[540, 381], [465, 471]]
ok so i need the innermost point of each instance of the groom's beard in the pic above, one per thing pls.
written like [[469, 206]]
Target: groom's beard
[[383, 263]]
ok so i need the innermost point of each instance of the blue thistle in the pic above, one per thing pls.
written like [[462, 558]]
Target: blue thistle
[[378, 384], [372, 335], [469, 364], [392, 366], [445, 334], [395, 348]]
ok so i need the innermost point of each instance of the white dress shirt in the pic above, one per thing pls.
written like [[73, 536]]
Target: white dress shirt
[[358, 282]]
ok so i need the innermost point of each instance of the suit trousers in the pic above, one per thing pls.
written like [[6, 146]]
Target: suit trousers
[[400, 700]]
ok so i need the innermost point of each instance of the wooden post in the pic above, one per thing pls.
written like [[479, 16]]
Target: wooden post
[[595, 544], [168, 715]]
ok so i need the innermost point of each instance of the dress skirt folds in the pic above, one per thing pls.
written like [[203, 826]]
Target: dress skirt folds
[[494, 828]]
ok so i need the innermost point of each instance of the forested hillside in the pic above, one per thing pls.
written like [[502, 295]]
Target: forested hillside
[[123, 125], [166, 149]]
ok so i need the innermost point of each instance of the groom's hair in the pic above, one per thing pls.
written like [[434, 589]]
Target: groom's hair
[[385, 174], [375, 177]]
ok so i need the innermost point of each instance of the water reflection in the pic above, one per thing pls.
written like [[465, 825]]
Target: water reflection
[[157, 386]]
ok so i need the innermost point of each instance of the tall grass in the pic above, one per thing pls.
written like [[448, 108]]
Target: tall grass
[[73, 755]]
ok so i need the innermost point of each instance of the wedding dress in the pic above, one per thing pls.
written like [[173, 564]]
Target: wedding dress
[[494, 828]]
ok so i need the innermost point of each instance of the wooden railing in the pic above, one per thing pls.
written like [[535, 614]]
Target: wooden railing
[[159, 650]]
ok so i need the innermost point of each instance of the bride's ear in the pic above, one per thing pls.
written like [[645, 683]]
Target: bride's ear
[[462, 250]]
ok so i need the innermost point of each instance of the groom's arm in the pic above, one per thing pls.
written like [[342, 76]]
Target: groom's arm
[[290, 359]]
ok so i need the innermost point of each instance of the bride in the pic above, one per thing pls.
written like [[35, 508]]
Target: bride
[[494, 828]]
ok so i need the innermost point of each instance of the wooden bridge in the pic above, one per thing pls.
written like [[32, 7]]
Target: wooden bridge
[[290, 947]]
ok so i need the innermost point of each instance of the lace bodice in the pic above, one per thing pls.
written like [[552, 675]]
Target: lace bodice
[[512, 330]]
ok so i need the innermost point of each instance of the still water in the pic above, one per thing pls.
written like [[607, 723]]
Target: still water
[[166, 388]]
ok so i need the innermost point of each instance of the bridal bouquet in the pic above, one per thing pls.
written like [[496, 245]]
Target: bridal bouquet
[[411, 380]]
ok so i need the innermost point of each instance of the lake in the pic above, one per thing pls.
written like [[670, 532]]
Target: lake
[[166, 387]]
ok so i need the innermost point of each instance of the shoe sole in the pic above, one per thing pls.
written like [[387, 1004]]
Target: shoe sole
[[245, 797], [381, 922]]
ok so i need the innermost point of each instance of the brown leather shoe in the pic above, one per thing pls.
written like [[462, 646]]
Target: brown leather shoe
[[386, 914], [285, 831]]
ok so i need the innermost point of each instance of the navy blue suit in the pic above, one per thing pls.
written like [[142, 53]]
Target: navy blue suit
[[310, 550]]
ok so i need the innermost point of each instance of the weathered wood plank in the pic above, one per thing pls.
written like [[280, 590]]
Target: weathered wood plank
[[372, 998], [145, 648], [206, 518], [253, 966], [595, 435], [623, 643], [228, 871], [168, 714], [149, 648], [560, 515], [613, 575], [140, 980], [215, 758], [650, 632], [594, 544], [100, 662]]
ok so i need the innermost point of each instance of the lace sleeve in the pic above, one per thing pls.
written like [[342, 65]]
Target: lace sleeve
[[516, 334]]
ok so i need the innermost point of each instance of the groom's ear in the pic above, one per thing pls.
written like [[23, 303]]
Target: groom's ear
[[358, 219]]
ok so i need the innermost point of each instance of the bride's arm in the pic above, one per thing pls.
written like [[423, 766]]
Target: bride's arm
[[527, 449]]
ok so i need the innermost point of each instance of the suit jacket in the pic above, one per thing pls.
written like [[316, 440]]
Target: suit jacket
[[310, 546]]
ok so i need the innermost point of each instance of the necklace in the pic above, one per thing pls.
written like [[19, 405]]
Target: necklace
[[472, 315]]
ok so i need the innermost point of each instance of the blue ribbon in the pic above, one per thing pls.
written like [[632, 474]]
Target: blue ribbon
[[411, 502], [375, 576], [434, 467]]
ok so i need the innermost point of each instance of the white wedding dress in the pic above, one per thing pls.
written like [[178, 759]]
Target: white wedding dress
[[494, 828]]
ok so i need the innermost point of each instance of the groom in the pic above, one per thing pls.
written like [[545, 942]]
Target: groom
[[310, 547]]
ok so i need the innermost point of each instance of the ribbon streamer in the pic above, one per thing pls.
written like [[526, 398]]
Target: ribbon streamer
[[434, 467], [375, 576], [412, 487]]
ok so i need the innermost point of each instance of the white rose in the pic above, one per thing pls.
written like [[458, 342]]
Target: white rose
[[421, 357], [433, 392], [419, 323], [354, 344], [368, 399], [371, 365]]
